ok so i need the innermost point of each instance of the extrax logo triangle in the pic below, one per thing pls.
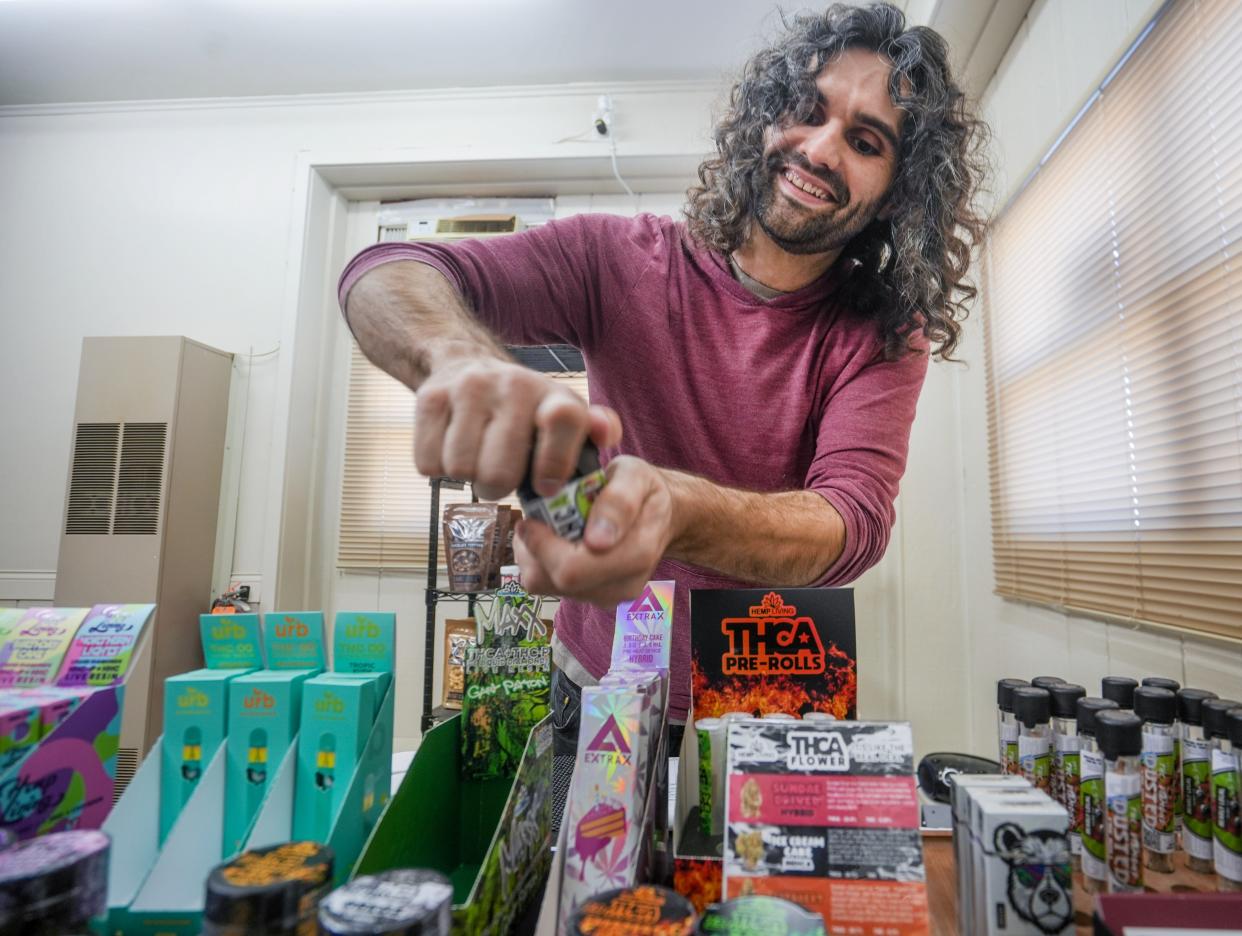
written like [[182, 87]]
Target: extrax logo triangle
[[646, 603], [609, 744]]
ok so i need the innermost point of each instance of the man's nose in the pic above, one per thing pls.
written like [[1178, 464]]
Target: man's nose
[[824, 145]]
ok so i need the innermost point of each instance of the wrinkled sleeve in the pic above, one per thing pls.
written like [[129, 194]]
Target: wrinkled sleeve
[[860, 455], [546, 285]]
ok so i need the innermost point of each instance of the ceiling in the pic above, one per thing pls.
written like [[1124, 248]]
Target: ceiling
[[61, 51]]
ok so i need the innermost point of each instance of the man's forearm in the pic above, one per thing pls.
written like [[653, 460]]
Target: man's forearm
[[408, 318], [789, 538]]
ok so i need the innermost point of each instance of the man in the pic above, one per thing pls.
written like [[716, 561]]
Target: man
[[763, 359]]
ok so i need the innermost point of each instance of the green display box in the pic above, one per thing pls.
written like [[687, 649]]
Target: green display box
[[492, 838]]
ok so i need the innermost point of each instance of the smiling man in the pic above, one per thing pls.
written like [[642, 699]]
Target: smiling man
[[753, 372]]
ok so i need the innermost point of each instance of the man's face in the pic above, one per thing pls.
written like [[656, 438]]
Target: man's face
[[824, 180]]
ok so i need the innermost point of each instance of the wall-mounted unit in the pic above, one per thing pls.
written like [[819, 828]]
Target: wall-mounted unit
[[142, 503]]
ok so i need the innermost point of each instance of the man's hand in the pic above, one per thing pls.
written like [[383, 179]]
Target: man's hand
[[476, 419], [630, 526]]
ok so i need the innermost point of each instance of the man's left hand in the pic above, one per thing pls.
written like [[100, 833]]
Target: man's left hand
[[629, 528]]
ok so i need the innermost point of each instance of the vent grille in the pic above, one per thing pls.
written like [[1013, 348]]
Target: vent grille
[[483, 224], [126, 767], [393, 232], [140, 481], [92, 480]]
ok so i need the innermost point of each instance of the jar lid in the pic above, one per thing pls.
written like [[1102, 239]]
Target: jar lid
[[1004, 692], [1046, 682], [1190, 704], [1160, 682], [1032, 706], [62, 876], [1120, 689], [1214, 711], [1087, 709], [755, 914], [403, 902], [1119, 733], [1065, 698], [1154, 704], [635, 911], [268, 886]]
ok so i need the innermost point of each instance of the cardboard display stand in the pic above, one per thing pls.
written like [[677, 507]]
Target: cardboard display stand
[[491, 837], [66, 780], [154, 889]]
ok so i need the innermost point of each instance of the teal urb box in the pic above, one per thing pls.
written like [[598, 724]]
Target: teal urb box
[[294, 640], [337, 715], [196, 710], [264, 709], [365, 642], [231, 641]]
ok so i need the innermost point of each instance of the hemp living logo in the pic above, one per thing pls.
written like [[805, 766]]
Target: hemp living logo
[[773, 639], [609, 745]]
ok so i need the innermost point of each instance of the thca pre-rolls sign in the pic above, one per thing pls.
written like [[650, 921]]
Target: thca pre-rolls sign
[[772, 638]]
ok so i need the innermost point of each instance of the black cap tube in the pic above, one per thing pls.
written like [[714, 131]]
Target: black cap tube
[[1119, 733], [1120, 689], [1004, 692], [1161, 682], [1088, 708], [1046, 682], [1233, 721], [1065, 698], [1214, 711], [1190, 704], [1032, 706], [1153, 704]]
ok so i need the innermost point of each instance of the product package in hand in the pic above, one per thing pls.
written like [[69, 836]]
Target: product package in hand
[[567, 510]]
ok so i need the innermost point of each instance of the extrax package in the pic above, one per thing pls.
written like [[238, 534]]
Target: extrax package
[[615, 792]]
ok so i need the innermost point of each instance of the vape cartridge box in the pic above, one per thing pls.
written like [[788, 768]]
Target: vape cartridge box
[[196, 707], [231, 641], [337, 715], [19, 729], [1024, 878], [104, 645], [365, 642], [37, 646], [294, 640], [976, 854], [378, 683], [962, 790], [264, 709]]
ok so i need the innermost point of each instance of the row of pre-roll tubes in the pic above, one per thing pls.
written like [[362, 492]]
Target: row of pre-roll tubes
[[713, 735], [1167, 754]]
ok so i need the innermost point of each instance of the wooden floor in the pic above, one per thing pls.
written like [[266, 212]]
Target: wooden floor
[[942, 886]]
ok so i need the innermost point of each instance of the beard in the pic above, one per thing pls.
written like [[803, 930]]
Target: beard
[[798, 229]]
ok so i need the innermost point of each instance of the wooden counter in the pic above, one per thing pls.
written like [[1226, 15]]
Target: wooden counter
[[942, 886]]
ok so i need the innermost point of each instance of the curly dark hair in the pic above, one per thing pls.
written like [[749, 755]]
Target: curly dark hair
[[907, 272]]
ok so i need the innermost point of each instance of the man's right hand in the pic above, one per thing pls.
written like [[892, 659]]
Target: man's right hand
[[476, 418]]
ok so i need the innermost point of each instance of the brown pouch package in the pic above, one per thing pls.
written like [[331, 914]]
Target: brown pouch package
[[469, 530], [459, 635]]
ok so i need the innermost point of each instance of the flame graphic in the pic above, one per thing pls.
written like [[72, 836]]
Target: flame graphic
[[698, 881], [834, 692]]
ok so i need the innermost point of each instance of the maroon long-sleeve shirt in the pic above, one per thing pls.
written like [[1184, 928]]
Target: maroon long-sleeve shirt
[[767, 395]]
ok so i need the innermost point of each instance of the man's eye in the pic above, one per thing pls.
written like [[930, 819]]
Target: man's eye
[[865, 147]]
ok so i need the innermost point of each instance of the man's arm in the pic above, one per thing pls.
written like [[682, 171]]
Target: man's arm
[[478, 411]]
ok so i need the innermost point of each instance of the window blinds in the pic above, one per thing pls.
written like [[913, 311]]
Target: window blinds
[[1113, 335], [385, 502]]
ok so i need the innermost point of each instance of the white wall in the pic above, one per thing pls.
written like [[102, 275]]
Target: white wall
[[1062, 53]]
